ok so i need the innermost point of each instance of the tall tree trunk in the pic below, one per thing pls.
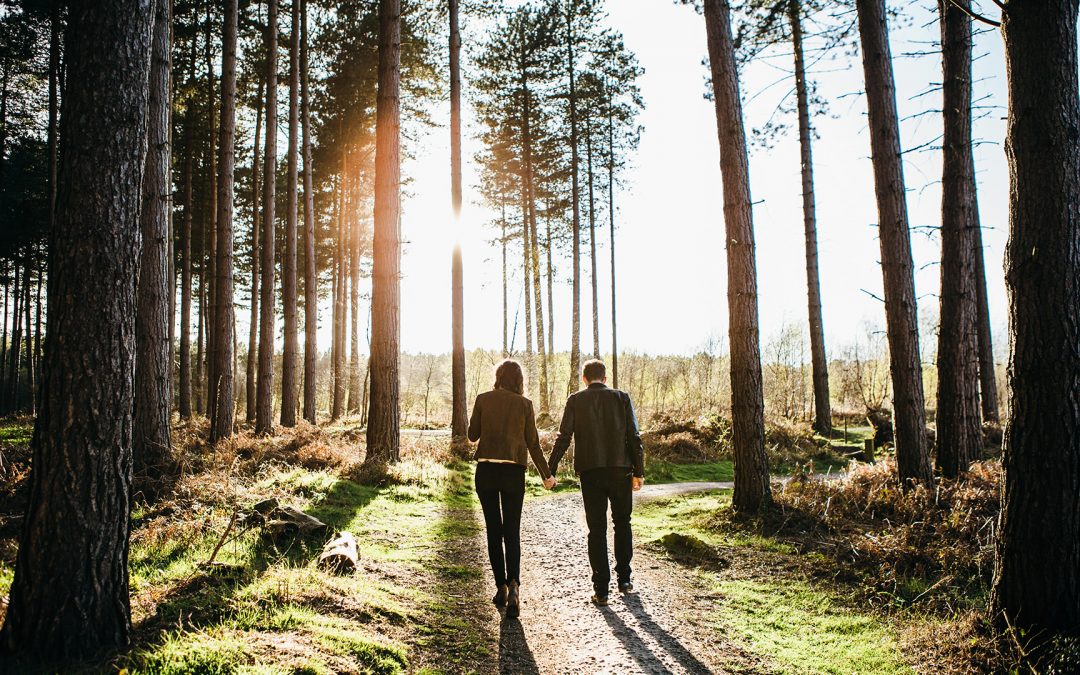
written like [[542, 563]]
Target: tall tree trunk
[[592, 236], [822, 402], [575, 201], [526, 286], [550, 291], [959, 432], [383, 418], [15, 364], [1037, 576], [38, 332], [4, 338], [69, 598], [459, 414], [53, 133], [185, 270], [222, 417], [212, 329], [338, 398], [988, 392], [311, 276], [290, 361], [151, 439], [611, 219], [531, 246], [29, 342], [253, 321], [505, 299], [752, 492], [901, 316], [264, 385], [200, 331], [354, 296]]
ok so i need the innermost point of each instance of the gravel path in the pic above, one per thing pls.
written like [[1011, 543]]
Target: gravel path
[[661, 628]]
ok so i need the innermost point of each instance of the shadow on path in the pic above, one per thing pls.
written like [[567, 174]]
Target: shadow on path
[[515, 655]]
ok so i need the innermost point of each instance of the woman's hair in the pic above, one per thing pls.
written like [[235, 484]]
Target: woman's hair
[[510, 377]]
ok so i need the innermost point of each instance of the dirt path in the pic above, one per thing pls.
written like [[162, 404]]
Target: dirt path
[[658, 629]]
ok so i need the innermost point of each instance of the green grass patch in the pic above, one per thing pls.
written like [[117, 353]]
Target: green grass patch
[[659, 471], [805, 630], [16, 431]]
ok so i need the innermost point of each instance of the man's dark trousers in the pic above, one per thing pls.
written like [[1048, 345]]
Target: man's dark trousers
[[598, 488]]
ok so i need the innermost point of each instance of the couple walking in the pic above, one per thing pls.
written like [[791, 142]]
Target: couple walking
[[608, 457]]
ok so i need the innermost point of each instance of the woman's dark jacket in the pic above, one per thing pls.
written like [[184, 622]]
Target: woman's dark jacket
[[504, 424]]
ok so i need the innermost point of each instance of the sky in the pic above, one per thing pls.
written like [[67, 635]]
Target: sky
[[671, 269]]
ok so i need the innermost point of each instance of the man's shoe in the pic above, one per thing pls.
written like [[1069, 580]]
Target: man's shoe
[[500, 596], [600, 600], [626, 587], [513, 601]]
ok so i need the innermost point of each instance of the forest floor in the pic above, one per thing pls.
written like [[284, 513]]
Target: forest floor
[[710, 597]]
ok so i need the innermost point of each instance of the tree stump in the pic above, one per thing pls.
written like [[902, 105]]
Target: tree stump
[[339, 555]]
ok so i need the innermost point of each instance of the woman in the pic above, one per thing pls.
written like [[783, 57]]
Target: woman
[[503, 423]]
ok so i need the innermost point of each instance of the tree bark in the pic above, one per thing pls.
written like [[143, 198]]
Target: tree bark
[[959, 432], [575, 199], [264, 394], [505, 291], [200, 329], [611, 219], [30, 393], [459, 414], [752, 493], [1037, 577], [820, 365], [311, 277], [14, 365], [253, 322], [222, 417], [338, 398], [151, 441], [69, 597], [212, 329], [289, 361], [592, 236], [354, 295], [531, 241], [912, 457], [383, 418], [4, 337], [185, 268], [988, 392]]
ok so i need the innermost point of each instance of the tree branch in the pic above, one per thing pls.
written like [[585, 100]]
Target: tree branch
[[975, 15]]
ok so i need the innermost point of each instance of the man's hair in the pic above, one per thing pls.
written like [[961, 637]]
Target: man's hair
[[510, 377], [594, 370]]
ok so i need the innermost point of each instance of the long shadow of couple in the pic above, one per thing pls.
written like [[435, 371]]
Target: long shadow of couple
[[515, 655]]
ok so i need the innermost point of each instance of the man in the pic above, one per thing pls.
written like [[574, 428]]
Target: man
[[609, 458]]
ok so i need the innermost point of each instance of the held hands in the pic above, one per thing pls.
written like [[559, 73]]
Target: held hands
[[550, 482], [638, 482]]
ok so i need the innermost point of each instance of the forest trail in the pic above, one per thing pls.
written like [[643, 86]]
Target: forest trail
[[657, 629]]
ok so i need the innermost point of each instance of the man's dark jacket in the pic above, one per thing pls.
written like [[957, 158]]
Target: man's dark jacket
[[601, 421]]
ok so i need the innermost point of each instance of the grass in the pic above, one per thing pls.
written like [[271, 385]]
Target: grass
[[659, 471], [803, 629], [766, 601], [268, 608], [16, 430]]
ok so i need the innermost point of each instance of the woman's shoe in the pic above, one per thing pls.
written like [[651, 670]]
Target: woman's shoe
[[500, 596], [513, 601]]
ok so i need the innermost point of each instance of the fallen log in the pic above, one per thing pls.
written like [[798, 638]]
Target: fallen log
[[339, 555], [290, 521]]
